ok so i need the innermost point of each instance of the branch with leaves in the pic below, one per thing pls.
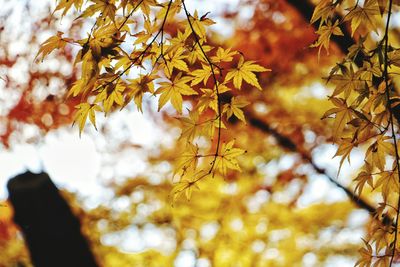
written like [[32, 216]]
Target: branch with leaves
[[364, 100], [141, 54]]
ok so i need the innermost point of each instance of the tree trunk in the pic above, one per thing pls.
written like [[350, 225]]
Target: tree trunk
[[51, 231]]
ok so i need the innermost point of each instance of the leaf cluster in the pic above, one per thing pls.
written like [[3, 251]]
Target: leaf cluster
[[363, 112], [131, 53]]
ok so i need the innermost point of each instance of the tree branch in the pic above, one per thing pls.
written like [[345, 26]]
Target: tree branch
[[286, 143], [306, 9]]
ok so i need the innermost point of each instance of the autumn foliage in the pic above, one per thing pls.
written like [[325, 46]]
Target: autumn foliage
[[237, 185]]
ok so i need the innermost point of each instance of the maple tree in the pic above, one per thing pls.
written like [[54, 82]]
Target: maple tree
[[239, 123]]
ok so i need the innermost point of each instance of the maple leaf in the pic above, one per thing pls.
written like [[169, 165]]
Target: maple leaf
[[325, 32], [136, 89], [196, 54], [90, 68], [146, 5], [245, 71], [104, 40], [54, 42], [344, 150], [123, 62], [77, 88], [105, 7], [144, 36], [343, 116], [200, 75], [227, 158], [111, 94], [172, 8], [190, 126], [361, 179], [199, 24], [209, 98], [188, 160], [187, 185], [173, 91], [180, 187], [366, 255], [234, 108], [209, 127], [347, 82], [180, 39], [389, 182], [223, 55], [175, 59], [363, 14], [379, 150], [83, 111], [323, 11], [67, 4]]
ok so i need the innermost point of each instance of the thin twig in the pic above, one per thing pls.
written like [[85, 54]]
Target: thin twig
[[130, 14], [197, 41], [391, 119]]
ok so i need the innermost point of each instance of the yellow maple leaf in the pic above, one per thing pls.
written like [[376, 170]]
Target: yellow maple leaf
[[223, 55], [366, 255], [361, 179], [201, 75], [145, 6], [347, 82], [83, 111], [245, 71], [234, 108], [187, 185], [199, 24], [173, 91], [67, 4], [342, 117], [323, 11], [344, 150], [209, 98], [54, 42], [379, 150], [137, 87], [389, 182], [106, 8], [187, 161], [90, 68], [111, 94], [103, 39], [209, 126], [363, 14], [325, 32], [175, 59], [77, 88], [190, 126], [227, 158]]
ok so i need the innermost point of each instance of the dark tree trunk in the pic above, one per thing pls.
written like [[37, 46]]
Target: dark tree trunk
[[51, 231]]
